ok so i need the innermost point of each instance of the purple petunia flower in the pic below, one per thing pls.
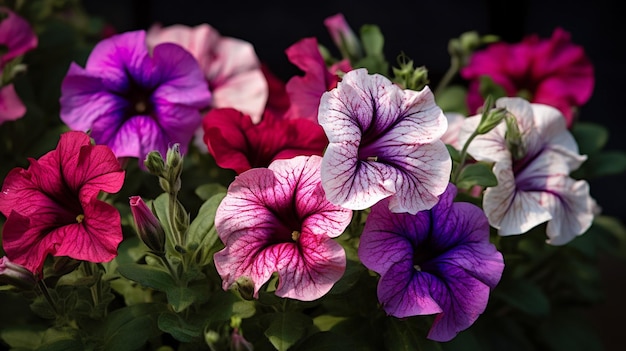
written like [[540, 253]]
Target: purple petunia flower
[[435, 262], [277, 219], [133, 100], [383, 142]]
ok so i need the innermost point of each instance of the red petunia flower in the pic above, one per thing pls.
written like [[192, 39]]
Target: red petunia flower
[[53, 208], [238, 144], [552, 71]]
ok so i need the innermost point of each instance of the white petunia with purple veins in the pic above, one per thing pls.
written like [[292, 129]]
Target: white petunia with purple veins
[[277, 219], [536, 187], [383, 142], [438, 261]]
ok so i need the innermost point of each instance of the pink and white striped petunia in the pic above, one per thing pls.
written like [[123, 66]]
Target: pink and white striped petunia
[[277, 219], [383, 142], [537, 187]]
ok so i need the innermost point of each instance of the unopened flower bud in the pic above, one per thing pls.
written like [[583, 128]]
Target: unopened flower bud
[[154, 163], [211, 337], [239, 343], [408, 76], [16, 275], [148, 226], [343, 37], [174, 165], [491, 119], [245, 286], [64, 264], [513, 137]]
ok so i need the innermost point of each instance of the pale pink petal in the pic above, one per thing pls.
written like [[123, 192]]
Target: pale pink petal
[[11, 106]]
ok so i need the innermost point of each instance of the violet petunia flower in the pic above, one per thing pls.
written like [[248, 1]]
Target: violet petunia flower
[[552, 71], [135, 100], [53, 207], [383, 142], [230, 65], [17, 37], [535, 187], [277, 219], [434, 262]]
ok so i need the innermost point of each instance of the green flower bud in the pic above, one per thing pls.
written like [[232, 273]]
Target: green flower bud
[[491, 119], [513, 137], [245, 286], [154, 163], [410, 77]]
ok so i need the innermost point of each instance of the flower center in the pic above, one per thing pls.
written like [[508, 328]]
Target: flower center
[[79, 218], [295, 235]]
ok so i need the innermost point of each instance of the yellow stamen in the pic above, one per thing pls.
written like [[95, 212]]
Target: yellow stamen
[[417, 267], [295, 235], [80, 218], [372, 158]]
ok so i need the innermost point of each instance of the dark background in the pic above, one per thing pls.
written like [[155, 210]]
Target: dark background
[[422, 29]]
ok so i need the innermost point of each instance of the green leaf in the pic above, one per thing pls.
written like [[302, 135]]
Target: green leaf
[[328, 341], [148, 276], [130, 327], [225, 304], [408, 335], [286, 329], [455, 155], [604, 164], [22, 338], [206, 191], [452, 99], [63, 345], [476, 174], [173, 324], [201, 233], [591, 137], [373, 42], [525, 296], [489, 87]]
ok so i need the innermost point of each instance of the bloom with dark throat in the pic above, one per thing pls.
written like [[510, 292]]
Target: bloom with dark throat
[[277, 219], [135, 100]]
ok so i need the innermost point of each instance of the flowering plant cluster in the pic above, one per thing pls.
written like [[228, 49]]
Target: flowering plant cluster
[[163, 189]]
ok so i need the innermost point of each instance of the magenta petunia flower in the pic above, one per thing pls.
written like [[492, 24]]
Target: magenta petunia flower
[[434, 262], [238, 144], [53, 208], [277, 219], [383, 142], [135, 100], [17, 37], [552, 71], [305, 91], [343, 36], [230, 65], [537, 187]]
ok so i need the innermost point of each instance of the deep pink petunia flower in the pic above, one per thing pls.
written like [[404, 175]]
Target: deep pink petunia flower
[[552, 71], [135, 100], [238, 144], [383, 142], [434, 262], [53, 208], [305, 91], [230, 65], [17, 37], [277, 219]]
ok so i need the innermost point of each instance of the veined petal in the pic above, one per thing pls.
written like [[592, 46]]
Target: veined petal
[[406, 292], [571, 207], [509, 210]]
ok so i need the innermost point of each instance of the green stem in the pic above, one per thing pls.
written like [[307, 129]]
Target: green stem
[[44, 291], [463, 156], [448, 76]]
